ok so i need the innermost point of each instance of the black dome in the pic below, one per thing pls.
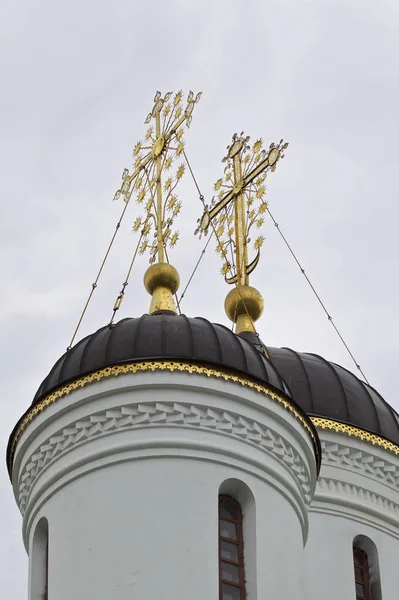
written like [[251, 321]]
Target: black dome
[[162, 335], [318, 387], [324, 389]]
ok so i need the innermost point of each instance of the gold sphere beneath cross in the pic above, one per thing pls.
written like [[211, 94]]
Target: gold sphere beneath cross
[[161, 275], [161, 280], [243, 306]]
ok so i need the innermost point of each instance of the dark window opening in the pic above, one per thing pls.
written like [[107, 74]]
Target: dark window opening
[[231, 550], [362, 575]]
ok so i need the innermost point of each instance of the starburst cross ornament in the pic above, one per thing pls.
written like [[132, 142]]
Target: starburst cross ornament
[[238, 208], [153, 181]]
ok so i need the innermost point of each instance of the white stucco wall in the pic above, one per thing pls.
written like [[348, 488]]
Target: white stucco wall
[[127, 471], [149, 528], [357, 494]]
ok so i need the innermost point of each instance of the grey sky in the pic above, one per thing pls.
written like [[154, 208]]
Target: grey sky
[[78, 79]]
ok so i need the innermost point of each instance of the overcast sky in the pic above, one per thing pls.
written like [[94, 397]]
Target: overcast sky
[[77, 81]]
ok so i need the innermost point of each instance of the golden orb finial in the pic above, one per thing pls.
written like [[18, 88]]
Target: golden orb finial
[[161, 280], [244, 305]]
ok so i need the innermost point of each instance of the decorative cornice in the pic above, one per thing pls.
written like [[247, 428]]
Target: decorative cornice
[[361, 494], [352, 431], [145, 366], [362, 462], [357, 495], [136, 416]]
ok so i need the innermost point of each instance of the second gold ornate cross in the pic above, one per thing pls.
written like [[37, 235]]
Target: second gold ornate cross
[[238, 207]]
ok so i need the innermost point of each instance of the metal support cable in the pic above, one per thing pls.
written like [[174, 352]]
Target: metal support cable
[[94, 284], [175, 294], [318, 297], [196, 267], [119, 299]]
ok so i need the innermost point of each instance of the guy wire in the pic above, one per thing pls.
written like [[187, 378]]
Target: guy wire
[[318, 297], [175, 294], [196, 266], [94, 285], [119, 299]]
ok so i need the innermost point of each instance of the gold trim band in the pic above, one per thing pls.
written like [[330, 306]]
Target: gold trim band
[[350, 430], [139, 367]]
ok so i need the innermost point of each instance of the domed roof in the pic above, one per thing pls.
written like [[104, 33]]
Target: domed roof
[[161, 336], [324, 389], [318, 387]]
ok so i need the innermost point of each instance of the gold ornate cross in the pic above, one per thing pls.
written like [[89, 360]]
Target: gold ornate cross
[[163, 144], [153, 157], [235, 210]]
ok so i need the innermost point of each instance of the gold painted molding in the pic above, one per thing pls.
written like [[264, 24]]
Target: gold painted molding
[[350, 430], [143, 366]]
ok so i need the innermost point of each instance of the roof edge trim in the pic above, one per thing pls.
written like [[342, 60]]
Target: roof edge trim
[[163, 365], [351, 430]]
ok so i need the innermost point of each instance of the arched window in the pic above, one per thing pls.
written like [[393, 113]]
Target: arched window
[[367, 571], [231, 551], [39, 562], [362, 577]]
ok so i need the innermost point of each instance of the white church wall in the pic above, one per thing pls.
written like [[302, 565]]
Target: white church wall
[[128, 471], [114, 540], [357, 495]]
